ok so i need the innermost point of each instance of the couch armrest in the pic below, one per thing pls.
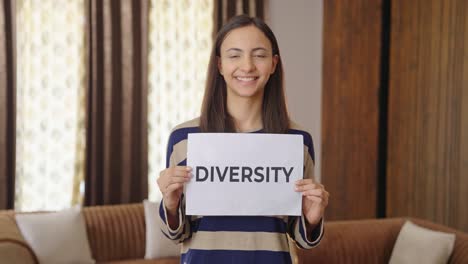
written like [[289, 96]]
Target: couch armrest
[[357, 241], [13, 247]]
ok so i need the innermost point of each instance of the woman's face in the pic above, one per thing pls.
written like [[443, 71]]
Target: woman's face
[[246, 62]]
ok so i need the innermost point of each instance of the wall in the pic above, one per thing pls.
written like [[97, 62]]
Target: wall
[[351, 109], [395, 109], [298, 27], [427, 165]]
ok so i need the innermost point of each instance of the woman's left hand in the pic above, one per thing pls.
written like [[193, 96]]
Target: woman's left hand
[[314, 200]]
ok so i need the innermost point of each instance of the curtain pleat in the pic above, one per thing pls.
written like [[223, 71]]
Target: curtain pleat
[[226, 9], [7, 103], [117, 165]]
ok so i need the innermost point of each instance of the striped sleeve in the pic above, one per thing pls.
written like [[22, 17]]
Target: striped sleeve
[[183, 231], [297, 227]]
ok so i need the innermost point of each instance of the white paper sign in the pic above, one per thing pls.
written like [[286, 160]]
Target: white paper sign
[[244, 174]]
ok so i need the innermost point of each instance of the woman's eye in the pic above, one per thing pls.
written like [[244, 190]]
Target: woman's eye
[[260, 56], [233, 56]]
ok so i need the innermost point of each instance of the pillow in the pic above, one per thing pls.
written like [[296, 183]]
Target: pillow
[[157, 244], [58, 237], [416, 244]]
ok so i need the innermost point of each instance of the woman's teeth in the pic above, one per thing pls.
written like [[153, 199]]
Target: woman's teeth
[[246, 79]]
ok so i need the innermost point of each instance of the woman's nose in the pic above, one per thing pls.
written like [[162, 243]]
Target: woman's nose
[[247, 64]]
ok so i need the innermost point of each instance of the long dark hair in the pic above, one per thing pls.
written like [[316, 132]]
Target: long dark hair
[[214, 115]]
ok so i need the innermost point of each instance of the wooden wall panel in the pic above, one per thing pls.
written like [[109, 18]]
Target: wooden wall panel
[[351, 67], [427, 166]]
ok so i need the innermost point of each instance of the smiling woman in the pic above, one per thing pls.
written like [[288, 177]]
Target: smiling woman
[[244, 92]]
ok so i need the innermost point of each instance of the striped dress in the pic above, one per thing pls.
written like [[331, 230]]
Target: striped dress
[[236, 239]]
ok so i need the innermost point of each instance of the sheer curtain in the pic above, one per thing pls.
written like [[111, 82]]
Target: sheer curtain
[[50, 124], [180, 42]]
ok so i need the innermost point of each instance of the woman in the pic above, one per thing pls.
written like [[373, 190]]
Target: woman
[[244, 93]]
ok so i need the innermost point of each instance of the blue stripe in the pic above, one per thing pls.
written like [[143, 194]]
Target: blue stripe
[[173, 234], [239, 223], [176, 137], [195, 256], [307, 141], [174, 237], [161, 212], [291, 221], [163, 218], [304, 235], [166, 235], [182, 134]]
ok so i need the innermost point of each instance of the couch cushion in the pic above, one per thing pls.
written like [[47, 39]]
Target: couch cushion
[[416, 244], [172, 260], [58, 237], [157, 244]]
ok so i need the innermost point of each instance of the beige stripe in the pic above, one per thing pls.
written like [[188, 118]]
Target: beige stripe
[[296, 126], [191, 123], [237, 241], [179, 153]]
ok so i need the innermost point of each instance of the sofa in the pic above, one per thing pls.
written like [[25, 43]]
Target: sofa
[[116, 234]]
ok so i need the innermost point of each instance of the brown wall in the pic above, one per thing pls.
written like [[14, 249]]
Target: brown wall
[[405, 154], [427, 166], [351, 67]]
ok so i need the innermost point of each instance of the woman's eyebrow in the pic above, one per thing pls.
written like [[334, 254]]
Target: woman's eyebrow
[[233, 49], [259, 48], [240, 50]]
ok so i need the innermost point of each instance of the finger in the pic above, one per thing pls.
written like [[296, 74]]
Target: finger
[[166, 179], [310, 186], [175, 169], [320, 200], [178, 180], [173, 187], [314, 192], [316, 199], [180, 173], [184, 168], [304, 181]]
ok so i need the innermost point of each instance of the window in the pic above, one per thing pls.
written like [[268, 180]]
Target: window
[[50, 103], [51, 87], [180, 44]]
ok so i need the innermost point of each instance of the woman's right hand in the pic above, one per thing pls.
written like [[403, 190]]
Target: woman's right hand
[[171, 182]]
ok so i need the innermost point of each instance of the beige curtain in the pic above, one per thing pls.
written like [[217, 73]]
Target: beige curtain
[[7, 103], [225, 9], [117, 165]]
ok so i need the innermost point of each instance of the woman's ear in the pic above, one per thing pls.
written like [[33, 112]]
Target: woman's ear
[[274, 63], [220, 68]]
